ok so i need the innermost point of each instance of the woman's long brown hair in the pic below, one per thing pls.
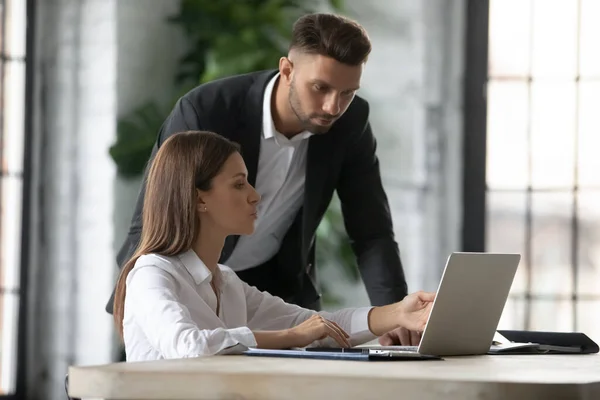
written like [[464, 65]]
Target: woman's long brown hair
[[185, 162]]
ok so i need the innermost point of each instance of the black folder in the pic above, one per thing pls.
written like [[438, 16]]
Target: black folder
[[541, 342]]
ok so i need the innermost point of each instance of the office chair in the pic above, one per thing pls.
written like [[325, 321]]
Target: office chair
[[67, 388]]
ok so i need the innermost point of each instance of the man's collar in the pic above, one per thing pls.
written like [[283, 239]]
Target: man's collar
[[269, 130], [268, 124]]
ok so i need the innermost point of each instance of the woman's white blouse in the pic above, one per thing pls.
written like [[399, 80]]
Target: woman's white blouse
[[170, 311]]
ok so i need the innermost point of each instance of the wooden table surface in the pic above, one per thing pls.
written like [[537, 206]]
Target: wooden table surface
[[241, 377]]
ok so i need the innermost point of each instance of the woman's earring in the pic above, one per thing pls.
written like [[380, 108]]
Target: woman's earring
[[204, 208]]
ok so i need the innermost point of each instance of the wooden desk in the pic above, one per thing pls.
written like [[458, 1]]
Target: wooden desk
[[240, 377]]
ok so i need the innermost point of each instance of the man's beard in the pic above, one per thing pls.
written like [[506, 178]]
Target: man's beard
[[304, 119]]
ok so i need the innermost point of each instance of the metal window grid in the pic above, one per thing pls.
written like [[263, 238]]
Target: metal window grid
[[475, 187]]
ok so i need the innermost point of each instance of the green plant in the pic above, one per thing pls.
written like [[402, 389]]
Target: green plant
[[136, 134], [225, 37], [228, 37]]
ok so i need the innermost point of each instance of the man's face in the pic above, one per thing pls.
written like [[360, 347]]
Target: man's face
[[321, 89]]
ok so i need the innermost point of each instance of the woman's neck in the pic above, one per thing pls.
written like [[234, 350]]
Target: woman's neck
[[208, 247]]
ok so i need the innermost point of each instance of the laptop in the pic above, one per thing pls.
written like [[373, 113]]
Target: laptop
[[465, 314], [468, 305]]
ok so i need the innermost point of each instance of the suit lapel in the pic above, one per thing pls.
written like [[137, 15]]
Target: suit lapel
[[250, 129], [248, 135], [318, 166]]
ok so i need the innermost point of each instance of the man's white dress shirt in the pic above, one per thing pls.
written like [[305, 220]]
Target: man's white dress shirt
[[280, 182], [170, 311]]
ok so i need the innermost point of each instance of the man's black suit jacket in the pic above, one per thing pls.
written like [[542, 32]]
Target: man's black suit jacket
[[343, 159]]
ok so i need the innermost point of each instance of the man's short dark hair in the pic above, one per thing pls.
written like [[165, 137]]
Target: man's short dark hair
[[333, 36]]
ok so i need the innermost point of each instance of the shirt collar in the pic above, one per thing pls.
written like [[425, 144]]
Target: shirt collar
[[269, 130], [196, 267]]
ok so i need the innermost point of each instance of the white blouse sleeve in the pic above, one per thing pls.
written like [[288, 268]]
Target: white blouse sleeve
[[152, 300], [267, 312]]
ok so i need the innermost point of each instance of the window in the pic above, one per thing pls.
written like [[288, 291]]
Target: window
[[12, 140], [542, 169]]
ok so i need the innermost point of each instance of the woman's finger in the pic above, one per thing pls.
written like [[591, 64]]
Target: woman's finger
[[336, 335], [427, 296], [340, 328], [415, 338], [405, 337], [340, 331]]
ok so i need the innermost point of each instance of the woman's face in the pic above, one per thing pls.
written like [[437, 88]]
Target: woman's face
[[230, 204]]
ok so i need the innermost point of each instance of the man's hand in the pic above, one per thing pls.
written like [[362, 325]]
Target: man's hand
[[400, 337]]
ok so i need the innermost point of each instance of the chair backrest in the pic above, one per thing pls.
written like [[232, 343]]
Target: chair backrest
[[67, 388]]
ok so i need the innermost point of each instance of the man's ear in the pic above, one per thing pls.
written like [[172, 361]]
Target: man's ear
[[286, 68]]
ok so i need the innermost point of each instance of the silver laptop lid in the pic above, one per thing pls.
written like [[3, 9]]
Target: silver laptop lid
[[469, 303]]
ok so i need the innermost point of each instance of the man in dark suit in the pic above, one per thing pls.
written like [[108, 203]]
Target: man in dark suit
[[303, 134]]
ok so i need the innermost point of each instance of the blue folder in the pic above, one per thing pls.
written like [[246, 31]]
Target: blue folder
[[352, 354]]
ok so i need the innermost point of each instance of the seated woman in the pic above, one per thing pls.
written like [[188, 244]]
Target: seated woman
[[173, 299]]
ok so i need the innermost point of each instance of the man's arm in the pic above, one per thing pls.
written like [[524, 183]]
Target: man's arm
[[368, 222], [183, 118]]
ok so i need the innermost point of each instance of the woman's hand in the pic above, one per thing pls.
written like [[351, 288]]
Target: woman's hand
[[415, 309], [409, 314], [317, 328]]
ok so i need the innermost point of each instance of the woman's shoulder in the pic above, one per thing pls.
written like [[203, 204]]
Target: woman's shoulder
[[156, 262], [155, 258], [157, 265]]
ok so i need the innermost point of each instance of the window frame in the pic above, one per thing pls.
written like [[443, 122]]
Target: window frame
[[475, 126], [21, 356], [475, 187]]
